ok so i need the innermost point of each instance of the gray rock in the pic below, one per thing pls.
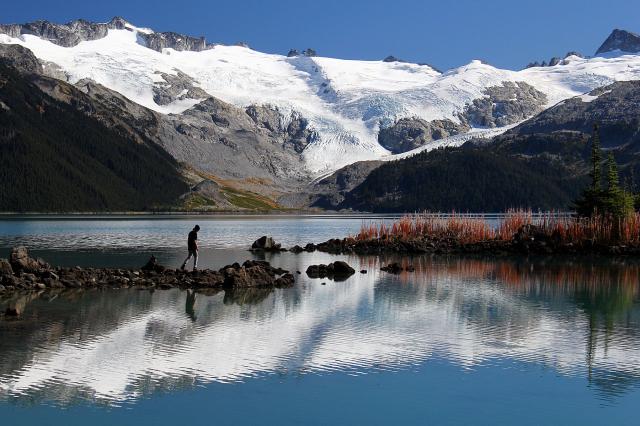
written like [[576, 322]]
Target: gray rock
[[265, 243], [293, 131], [504, 105], [622, 40], [293, 53], [66, 35], [410, 133], [176, 87], [171, 40]]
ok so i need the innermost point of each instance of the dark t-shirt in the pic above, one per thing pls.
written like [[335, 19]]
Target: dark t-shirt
[[191, 242]]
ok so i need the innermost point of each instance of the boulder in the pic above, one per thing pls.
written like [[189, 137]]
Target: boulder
[[265, 243], [342, 268], [339, 271], [21, 262]]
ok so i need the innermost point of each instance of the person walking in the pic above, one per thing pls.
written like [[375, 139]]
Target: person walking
[[192, 245]]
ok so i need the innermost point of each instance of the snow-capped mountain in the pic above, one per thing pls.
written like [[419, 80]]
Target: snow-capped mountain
[[345, 102]]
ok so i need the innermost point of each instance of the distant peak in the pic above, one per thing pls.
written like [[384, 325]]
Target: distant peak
[[622, 40], [392, 58], [118, 23]]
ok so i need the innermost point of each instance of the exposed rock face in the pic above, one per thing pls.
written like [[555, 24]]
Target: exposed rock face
[[72, 33], [176, 87], [220, 138], [66, 35], [410, 133], [20, 58], [294, 130], [622, 40], [293, 53], [171, 40], [504, 105]]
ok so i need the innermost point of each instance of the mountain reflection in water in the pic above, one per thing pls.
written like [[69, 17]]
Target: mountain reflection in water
[[579, 318]]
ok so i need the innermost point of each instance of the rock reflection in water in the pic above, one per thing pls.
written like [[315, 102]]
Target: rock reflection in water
[[580, 318]]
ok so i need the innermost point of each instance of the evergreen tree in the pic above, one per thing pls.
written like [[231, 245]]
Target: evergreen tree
[[617, 202], [592, 199]]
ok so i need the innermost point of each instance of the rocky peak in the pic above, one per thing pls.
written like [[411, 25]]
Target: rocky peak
[[554, 61], [309, 52], [66, 35], [392, 58], [622, 40]]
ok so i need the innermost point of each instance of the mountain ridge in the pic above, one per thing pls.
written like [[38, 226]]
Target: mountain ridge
[[345, 103], [306, 130]]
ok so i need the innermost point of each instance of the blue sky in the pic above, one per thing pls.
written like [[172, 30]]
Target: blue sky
[[443, 33]]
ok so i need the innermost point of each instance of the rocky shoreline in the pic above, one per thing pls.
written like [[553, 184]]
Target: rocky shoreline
[[23, 273], [528, 240]]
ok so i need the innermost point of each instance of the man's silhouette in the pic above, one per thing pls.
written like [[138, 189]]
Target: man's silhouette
[[192, 245]]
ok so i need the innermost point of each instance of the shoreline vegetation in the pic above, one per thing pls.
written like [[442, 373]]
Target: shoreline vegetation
[[516, 232]]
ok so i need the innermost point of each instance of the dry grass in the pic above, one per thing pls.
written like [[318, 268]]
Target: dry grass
[[468, 229]]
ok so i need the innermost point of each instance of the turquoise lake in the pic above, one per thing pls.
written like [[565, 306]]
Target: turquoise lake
[[462, 340]]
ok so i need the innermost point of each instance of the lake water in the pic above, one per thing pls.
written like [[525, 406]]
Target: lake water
[[462, 340]]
